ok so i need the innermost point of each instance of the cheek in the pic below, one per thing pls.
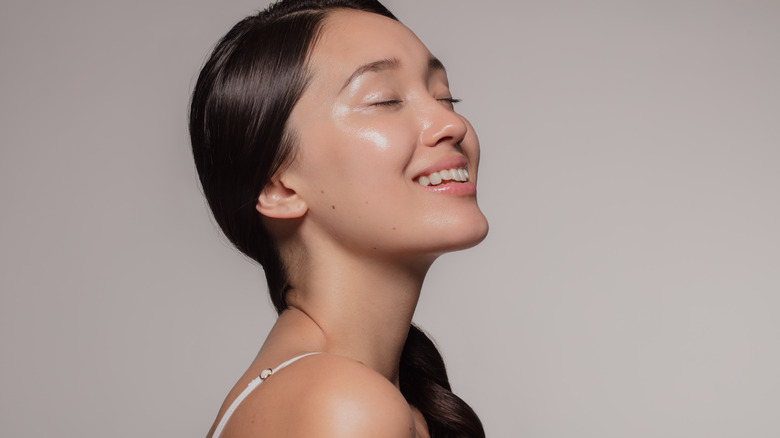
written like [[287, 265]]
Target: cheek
[[374, 139], [347, 167], [359, 147]]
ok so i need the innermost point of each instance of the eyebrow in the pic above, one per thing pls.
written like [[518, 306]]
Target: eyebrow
[[389, 64], [435, 64]]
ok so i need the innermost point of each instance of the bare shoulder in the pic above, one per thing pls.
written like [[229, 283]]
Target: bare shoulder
[[325, 396], [350, 399]]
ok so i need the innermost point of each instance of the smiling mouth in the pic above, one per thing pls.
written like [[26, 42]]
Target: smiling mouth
[[454, 175]]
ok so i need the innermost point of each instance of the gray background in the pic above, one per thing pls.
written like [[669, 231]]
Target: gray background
[[628, 287]]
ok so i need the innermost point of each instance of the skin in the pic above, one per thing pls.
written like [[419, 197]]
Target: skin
[[358, 233]]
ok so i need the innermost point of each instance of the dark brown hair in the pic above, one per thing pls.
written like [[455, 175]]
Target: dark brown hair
[[238, 116]]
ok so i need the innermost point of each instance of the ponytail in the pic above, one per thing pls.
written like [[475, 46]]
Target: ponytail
[[425, 385]]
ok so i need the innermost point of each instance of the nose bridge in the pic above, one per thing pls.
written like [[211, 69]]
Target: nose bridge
[[439, 123]]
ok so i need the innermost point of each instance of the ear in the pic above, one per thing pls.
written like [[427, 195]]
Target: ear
[[279, 201]]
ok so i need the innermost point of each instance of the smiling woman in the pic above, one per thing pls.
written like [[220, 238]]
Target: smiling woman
[[329, 151]]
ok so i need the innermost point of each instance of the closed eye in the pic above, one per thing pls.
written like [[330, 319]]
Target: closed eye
[[394, 102], [449, 102], [387, 103]]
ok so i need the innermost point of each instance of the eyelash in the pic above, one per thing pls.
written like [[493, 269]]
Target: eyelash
[[450, 100], [387, 103]]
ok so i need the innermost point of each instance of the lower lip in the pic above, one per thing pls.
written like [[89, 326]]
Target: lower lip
[[462, 189]]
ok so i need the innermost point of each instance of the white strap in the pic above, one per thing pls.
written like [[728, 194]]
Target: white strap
[[248, 390]]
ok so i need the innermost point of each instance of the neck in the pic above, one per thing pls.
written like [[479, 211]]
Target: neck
[[362, 307]]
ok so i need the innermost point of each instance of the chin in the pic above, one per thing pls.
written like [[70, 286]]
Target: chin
[[464, 236], [474, 236]]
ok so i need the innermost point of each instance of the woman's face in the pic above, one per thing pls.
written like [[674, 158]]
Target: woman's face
[[376, 131]]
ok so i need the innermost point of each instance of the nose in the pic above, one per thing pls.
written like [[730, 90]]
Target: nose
[[441, 125]]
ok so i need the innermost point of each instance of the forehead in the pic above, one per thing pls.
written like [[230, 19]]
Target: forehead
[[350, 39]]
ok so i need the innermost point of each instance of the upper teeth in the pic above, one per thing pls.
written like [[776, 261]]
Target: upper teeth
[[437, 178]]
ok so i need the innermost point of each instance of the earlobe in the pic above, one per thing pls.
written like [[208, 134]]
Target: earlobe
[[279, 201]]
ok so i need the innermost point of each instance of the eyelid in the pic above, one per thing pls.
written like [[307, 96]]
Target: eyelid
[[387, 102], [450, 99], [385, 97], [448, 102], [393, 102]]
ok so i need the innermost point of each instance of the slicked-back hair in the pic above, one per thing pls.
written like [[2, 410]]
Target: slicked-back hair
[[240, 137]]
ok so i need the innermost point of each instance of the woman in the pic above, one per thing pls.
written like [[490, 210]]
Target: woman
[[329, 151]]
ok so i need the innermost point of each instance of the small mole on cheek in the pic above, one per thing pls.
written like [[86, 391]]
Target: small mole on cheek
[[333, 207], [393, 228], [322, 191]]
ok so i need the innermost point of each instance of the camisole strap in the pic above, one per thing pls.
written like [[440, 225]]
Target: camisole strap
[[248, 390]]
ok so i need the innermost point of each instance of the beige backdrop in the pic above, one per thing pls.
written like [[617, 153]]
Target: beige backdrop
[[628, 288]]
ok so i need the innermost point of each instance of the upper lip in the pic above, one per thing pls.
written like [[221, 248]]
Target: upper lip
[[446, 163]]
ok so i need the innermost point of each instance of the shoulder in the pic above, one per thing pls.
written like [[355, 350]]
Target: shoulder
[[350, 399], [327, 396]]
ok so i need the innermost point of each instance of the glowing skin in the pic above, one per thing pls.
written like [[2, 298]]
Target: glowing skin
[[382, 182], [375, 118]]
